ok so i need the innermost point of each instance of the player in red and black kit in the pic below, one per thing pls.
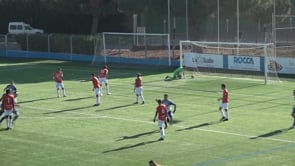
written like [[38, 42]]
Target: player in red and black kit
[[103, 74], [57, 76], [138, 89], [223, 107], [161, 111]]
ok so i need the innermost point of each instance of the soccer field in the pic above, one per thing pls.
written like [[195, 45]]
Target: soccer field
[[70, 131]]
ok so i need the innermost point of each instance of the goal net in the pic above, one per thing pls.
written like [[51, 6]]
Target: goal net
[[283, 32], [244, 59], [134, 47]]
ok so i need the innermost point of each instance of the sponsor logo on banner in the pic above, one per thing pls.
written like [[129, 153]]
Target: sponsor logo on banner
[[274, 66], [243, 60], [200, 59], [244, 63]]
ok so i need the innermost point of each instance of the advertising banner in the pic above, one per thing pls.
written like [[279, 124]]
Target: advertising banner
[[244, 63], [202, 60], [282, 65]]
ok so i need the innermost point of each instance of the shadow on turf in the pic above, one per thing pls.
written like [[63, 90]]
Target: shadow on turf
[[199, 125], [72, 109], [272, 133], [29, 101], [3, 129], [80, 98], [116, 107], [138, 135], [131, 146]]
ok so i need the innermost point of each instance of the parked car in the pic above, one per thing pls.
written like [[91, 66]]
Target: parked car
[[22, 28]]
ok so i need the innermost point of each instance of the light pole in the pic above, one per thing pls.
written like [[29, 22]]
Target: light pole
[[186, 18], [238, 26], [218, 27], [168, 17]]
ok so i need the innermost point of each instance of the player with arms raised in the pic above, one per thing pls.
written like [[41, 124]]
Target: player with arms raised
[[223, 107], [103, 73], [57, 76]]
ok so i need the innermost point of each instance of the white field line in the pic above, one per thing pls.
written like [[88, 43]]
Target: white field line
[[148, 122], [19, 68]]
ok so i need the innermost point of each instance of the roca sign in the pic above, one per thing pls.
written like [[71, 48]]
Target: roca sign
[[243, 60]]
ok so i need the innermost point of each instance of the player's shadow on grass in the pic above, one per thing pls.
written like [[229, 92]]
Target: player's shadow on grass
[[3, 129], [66, 110], [29, 101], [272, 133], [80, 98], [115, 107], [138, 135], [199, 125], [131, 146]]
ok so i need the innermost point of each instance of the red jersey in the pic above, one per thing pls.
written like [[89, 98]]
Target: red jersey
[[8, 102], [138, 82], [162, 112], [225, 96], [103, 73], [95, 82], [57, 76]]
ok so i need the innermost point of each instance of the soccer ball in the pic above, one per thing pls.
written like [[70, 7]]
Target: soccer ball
[[192, 76]]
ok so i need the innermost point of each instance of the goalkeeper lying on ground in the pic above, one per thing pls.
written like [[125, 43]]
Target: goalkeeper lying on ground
[[177, 74]]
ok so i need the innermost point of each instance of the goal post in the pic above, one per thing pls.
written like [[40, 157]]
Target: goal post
[[137, 45], [230, 57]]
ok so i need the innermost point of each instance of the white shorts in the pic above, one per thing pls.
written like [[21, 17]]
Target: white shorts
[[8, 112], [223, 105], [161, 123], [139, 90], [97, 91], [59, 85], [103, 80]]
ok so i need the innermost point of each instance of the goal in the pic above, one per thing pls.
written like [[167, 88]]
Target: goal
[[245, 59], [132, 46]]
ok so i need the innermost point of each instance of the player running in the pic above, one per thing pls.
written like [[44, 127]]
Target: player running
[[168, 103], [223, 107], [57, 76], [103, 73], [161, 111], [138, 89]]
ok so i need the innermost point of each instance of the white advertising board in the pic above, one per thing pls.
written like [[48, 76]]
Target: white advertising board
[[202, 60], [244, 63], [282, 65]]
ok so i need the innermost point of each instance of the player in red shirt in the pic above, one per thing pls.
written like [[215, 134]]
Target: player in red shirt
[[138, 89], [57, 76], [161, 111], [223, 107], [8, 105], [103, 73], [96, 88]]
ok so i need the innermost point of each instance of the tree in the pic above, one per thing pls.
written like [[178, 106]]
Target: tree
[[98, 9]]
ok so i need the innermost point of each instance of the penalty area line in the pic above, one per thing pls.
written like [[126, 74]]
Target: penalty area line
[[95, 116]]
